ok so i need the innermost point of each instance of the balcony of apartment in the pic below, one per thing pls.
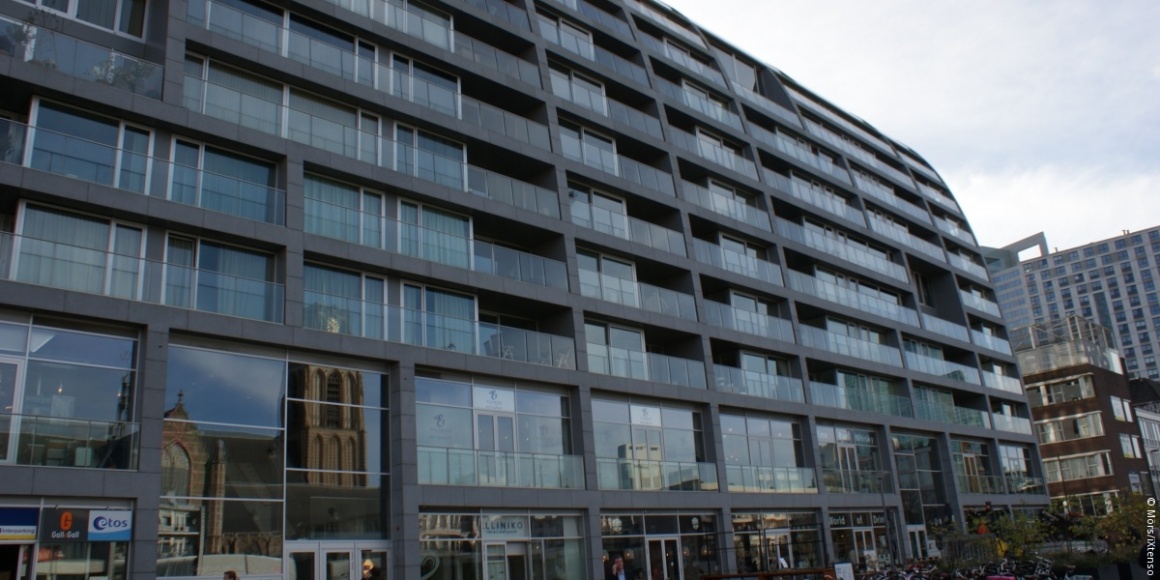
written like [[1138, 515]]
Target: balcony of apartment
[[967, 264], [614, 222], [683, 57], [945, 327], [817, 195], [710, 148], [769, 479], [766, 385], [1001, 382], [659, 18], [349, 65], [56, 51], [626, 355], [748, 322], [847, 296], [373, 319], [375, 230], [729, 259], [64, 442], [602, 99], [509, 13], [602, 154], [817, 107], [900, 233], [940, 197], [884, 193], [474, 467], [980, 303], [986, 339], [655, 475], [854, 481], [1011, 423], [635, 294], [766, 105], [581, 43], [254, 112], [801, 152], [838, 244], [131, 277], [723, 203], [593, 12], [135, 171], [920, 167], [952, 228], [1022, 484], [852, 346], [844, 397], [978, 484], [925, 363], [947, 413], [701, 101]]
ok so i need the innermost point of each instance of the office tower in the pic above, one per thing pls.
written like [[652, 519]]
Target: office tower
[[469, 287]]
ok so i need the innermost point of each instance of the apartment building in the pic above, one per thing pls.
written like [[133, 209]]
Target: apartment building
[[471, 288]]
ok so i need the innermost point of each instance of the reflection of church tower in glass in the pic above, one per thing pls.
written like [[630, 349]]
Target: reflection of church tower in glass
[[326, 433]]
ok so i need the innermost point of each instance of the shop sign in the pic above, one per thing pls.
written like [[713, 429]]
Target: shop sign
[[18, 523], [110, 525], [504, 527], [500, 400], [64, 525], [839, 520], [878, 518], [646, 416]]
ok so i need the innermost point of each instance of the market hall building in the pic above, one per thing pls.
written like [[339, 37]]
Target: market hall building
[[464, 289]]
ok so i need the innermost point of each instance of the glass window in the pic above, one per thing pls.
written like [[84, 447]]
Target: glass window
[[590, 148], [430, 157], [425, 85], [579, 89], [599, 211], [222, 181], [434, 234], [344, 302], [96, 149], [344, 212], [438, 318], [213, 277]]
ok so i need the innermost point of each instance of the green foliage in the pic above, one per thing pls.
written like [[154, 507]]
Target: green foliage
[[1019, 533], [1122, 529]]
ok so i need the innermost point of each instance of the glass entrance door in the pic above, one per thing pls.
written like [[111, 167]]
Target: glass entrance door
[[867, 548], [664, 559], [336, 560], [16, 561], [778, 551], [11, 383], [918, 548]]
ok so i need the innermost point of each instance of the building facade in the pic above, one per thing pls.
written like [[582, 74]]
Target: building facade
[[471, 288], [1112, 282]]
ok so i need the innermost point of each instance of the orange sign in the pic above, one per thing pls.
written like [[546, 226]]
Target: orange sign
[[66, 521]]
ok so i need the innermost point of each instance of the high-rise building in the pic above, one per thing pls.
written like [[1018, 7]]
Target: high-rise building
[[1111, 282], [459, 288]]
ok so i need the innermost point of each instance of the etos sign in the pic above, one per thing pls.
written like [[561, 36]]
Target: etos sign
[[82, 525]]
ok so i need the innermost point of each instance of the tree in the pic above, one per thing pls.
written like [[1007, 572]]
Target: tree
[[1122, 528]]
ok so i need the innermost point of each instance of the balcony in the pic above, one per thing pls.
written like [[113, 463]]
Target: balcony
[[902, 235], [990, 341], [502, 62], [841, 248], [837, 119], [953, 230], [1027, 485], [620, 113], [647, 475], [645, 175], [472, 467], [82, 60], [971, 300], [507, 12], [980, 484], [765, 479], [1002, 382], [817, 196], [663, 20], [802, 153], [731, 207], [745, 321], [841, 397], [267, 116], [712, 151], [598, 54], [1011, 424], [702, 69], [736, 262], [645, 366], [355, 317], [846, 296], [940, 197], [65, 442], [886, 195], [708, 107], [943, 413], [777, 387], [637, 230], [847, 481], [210, 291], [637, 295], [968, 265], [767, 106], [842, 344], [593, 13], [921, 168], [942, 368], [945, 327]]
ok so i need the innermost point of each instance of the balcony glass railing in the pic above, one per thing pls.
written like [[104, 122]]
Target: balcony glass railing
[[589, 216], [733, 318], [210, 291], [980, 484], [66, 442], [847, 146], [735, 380], [1002, 382], [52, 50], [849, 346], [945, 327], [847, 481], [504, 11], [971, 300], [967, 265], [846, 296], [645, 366], [953, 230], [718, 111], [764, 479], [595, 53], [637, 295], [887, 196], [713, 151], [645, 175], [683, 59], [840, 397], [990, 341], [645, 475], [825, 111], [904, 237], [919, 167], [940, 197], [663, 20], [797, 150], [777, 111], [736, 262], [516, 265], [942, 368], [820, 198], [841, 248], [1024, 484], [267, 116], [1011, 424], [484, 54], [943, 413], [355, 317], [471, 467], [598, 15], [725, 205]]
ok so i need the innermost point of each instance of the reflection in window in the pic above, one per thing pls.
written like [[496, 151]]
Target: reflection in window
[[216, 278], [84, 146], [222, 181]]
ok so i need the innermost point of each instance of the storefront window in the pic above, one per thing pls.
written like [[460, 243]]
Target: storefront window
[[772, 541], [530, 545], [661, 545], [646, 446], [850, 460], [860, 538]]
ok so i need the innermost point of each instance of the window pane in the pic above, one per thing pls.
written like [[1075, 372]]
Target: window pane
[[202, 379], [75, 144]]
